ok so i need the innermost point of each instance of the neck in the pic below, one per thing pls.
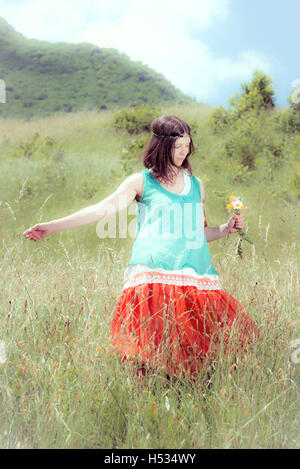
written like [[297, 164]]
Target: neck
[[174, 171]]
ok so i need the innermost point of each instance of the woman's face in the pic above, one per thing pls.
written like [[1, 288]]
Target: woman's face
[[181, 149]]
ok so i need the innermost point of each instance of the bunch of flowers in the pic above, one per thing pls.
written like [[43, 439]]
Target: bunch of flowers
[[236, 205]]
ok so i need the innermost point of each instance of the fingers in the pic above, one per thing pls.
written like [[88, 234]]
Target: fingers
[[31, 234], [236, 223], [239, 222]]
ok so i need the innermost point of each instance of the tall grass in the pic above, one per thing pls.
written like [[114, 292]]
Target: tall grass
[[61, 385]]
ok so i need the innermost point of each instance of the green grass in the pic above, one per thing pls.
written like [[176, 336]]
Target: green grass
[[61, 385]]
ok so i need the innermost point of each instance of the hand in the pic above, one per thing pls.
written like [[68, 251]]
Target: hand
[[38, 232], [236, 223]]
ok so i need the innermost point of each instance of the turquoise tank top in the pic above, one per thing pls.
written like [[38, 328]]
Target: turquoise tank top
[[170, 229]]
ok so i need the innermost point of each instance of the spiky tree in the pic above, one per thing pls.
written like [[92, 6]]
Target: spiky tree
[[257, 95], [293, 114]]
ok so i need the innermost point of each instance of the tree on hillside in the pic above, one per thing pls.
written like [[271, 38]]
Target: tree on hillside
[[258, 95], [292, 117]]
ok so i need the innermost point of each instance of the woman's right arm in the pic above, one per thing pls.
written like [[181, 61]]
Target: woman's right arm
[[118, 200]]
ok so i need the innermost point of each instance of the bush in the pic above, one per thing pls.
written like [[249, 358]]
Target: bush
[[274, 152], [129, 155], [289, 121], [240, 148], [293, 113], [245, 140], [258, 95], [295, 181], [220, 119], [250, 136], [39, 148], [237, 172], [135, 120]]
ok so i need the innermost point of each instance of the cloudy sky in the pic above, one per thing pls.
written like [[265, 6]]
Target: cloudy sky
[[206, 48]]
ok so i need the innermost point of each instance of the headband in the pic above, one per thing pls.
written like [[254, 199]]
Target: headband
[[167, 136]]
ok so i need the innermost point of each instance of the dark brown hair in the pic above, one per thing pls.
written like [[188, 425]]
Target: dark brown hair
[[158, 156]]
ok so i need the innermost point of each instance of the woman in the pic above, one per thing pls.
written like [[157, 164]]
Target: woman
[[173, 312]]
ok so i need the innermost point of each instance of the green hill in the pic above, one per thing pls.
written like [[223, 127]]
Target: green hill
[[42, 77]]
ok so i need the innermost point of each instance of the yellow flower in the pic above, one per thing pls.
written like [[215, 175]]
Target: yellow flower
[[229, 207], [232, 197]]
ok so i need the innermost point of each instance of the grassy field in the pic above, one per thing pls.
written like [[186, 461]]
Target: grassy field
[[61, 386]]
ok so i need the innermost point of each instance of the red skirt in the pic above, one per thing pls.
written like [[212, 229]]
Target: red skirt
[[175, 328]]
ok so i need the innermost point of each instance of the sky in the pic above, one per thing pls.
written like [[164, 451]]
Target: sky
[[206, 48]]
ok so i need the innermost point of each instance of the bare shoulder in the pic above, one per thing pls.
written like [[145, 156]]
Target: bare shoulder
[[136, 177], [202, 190], [136, 183], [137, 180]]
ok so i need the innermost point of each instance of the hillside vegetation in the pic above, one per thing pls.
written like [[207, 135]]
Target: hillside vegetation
[[43, 78]]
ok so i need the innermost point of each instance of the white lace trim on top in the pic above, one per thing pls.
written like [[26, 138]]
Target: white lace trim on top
[[139, 273]]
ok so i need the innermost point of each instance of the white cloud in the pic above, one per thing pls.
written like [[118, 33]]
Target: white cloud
[[158, 33], [53, 21], [58, 20]]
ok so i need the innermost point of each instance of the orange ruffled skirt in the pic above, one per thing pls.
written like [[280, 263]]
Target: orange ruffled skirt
[[175, 328]]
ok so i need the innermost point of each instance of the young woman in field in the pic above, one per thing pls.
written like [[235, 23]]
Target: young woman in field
[[173, 312]]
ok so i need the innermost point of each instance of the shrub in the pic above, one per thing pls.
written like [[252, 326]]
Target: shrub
[[129, 155], [38, 147], [293, 113], [252, 135], [220, 119], [245, 140], [237, 172], [240, 148], [289, 121], [258, 95], [135, 120], [28, 104], [274, 152], [295, 181]]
